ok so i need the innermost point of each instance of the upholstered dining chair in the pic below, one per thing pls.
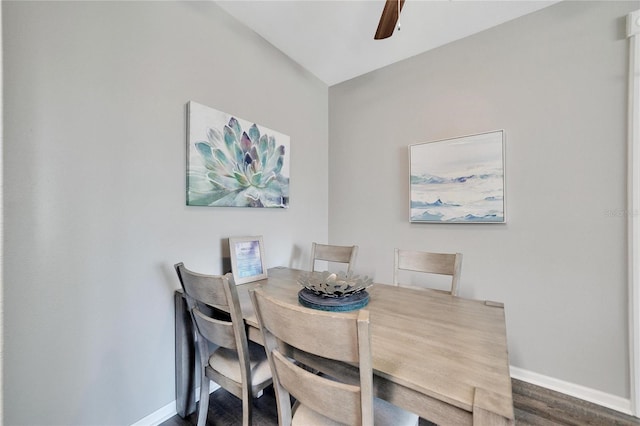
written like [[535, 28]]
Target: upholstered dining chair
[[332, 253], [432, 263], [237, 365], [338, 338]]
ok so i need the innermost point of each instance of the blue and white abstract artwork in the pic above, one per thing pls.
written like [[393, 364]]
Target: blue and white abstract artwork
[[459, 180]]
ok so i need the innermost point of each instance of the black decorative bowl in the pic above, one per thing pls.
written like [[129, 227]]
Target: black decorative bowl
[[328, 291]]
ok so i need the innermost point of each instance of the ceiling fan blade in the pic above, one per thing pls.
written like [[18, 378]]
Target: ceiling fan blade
[[388, 20]]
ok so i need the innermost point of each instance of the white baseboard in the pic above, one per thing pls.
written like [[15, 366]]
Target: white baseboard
[[158, 416], [169, 410], [587, 394]]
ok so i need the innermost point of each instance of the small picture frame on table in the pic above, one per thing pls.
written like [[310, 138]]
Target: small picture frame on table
[[247, 259]]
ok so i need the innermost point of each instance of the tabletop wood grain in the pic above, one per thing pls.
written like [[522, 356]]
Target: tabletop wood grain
[[441, 356]]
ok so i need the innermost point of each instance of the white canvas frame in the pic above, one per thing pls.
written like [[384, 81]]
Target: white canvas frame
[[247, 259]]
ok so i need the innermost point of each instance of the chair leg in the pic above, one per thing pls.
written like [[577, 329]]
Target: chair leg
[[204, 401], [247, 401]]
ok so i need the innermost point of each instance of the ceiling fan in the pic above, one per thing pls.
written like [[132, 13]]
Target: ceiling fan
[[390, 15]]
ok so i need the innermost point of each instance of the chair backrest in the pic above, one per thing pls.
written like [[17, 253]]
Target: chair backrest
[[331, 253], [341, 337], [204, 292], [432, 263]]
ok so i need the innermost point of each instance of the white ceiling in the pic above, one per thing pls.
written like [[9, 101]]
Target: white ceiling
[[333, 39]]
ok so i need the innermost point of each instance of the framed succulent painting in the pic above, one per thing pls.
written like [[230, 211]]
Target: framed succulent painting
[[233, 162], [458, 180]]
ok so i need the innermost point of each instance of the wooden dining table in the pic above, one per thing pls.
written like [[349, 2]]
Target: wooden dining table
[[442, 357]]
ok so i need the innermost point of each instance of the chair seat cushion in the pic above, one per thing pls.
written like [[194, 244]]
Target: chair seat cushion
[[384, 413], [226, 362]]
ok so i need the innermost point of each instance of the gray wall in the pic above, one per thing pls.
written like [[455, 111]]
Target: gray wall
[[555, 81], [95, 215]]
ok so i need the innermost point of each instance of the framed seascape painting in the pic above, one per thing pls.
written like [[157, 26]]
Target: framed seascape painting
[[233, 162], [458, 180], [247, 259]]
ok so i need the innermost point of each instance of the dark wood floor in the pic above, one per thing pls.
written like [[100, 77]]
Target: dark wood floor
[[539, 406], [534, 406]]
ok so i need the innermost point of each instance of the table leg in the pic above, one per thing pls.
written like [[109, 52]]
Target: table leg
[[491, 409], [185, 358]]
